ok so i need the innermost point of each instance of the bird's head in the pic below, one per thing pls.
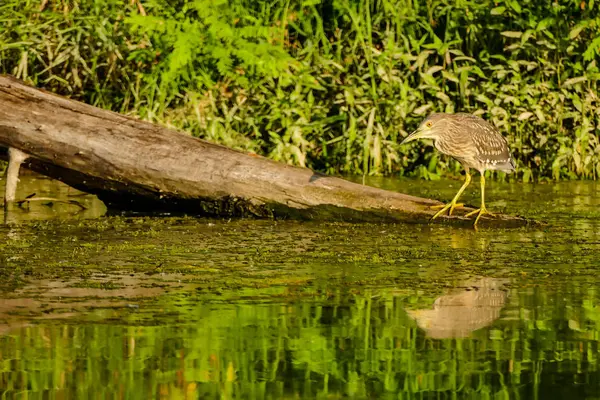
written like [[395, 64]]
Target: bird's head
[[430, 128]]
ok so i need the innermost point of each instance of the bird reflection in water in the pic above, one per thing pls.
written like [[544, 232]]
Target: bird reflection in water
[[473, 306]]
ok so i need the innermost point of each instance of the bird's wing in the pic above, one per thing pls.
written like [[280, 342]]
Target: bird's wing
[[491, 147]]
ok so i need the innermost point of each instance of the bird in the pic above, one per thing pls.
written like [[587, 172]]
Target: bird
[[474, 143]]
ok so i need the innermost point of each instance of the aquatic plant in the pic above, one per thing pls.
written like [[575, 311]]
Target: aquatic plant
[[331, 84]]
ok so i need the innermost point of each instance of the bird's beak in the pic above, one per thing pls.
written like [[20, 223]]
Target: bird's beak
[[413, 136]]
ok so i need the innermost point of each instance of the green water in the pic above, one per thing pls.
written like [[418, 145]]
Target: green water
[[103, 307]]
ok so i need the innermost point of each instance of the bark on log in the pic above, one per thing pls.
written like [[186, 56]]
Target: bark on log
[[135, 165]]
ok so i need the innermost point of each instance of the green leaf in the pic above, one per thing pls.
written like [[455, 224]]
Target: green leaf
[[450, 76], [422, 57], [573, 81], [526, 175], [421, 110], [478, 71], [443, 97], [461, 58], [511, 34], [543, 24], [575, 32], [577, 104], [514, 4], [434, 69], [498, 10], [528, 33], [592, 50], [524, 115], [429, 80]]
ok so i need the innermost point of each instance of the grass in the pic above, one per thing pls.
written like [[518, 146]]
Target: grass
[[331, 85]]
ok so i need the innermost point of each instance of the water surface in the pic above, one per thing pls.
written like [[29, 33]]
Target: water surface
[[93, 306]]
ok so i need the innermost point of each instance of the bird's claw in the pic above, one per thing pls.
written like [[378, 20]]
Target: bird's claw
[[450, 207], [440, 206], [480, 211]]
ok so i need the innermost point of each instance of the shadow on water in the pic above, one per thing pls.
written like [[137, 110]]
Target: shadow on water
[[104, 307]]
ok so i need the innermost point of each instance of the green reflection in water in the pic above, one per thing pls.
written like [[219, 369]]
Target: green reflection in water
[[361, 344], [139, 308]]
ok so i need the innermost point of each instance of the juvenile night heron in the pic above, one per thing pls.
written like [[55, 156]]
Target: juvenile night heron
[[473, 142]]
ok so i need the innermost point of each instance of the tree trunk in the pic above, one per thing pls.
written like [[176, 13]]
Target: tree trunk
[[135, 165]]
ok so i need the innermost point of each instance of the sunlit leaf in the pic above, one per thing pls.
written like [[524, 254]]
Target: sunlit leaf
[[573, 81], [543, 24], [443, 96], [514, 4], [434, 69], [524, 115], [421, 110], [575, 32], [450, 76], [512, 34]]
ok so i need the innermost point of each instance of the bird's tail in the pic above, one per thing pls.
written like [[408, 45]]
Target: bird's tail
[[508, 167]]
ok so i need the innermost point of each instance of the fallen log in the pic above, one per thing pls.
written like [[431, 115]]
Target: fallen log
[[135, 165]]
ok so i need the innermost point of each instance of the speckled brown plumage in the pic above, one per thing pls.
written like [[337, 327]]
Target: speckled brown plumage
[[471, 140]]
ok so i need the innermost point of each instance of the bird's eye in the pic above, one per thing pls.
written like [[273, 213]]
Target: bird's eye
[[428, 124]]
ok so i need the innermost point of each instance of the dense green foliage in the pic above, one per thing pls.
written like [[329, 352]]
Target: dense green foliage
[[330, 84]]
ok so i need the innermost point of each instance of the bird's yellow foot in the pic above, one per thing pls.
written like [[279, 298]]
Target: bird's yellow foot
[[450, 207], [480, 211], [440, 206]]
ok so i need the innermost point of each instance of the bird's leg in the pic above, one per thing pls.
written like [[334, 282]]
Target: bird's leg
[[450, 206], [480, 211]]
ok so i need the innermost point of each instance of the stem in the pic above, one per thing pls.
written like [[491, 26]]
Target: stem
[[15, 159]]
